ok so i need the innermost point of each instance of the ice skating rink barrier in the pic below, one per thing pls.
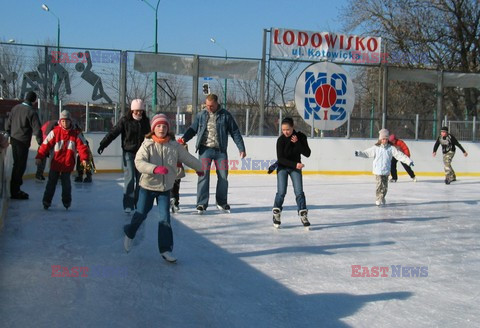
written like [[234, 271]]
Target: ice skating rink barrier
[[331, 156]]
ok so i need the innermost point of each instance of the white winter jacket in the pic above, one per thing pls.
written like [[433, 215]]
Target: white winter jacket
[[382, 157], [151, 154]]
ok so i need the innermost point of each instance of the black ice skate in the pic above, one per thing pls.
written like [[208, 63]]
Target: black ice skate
[[304, 218], [200, 209], [276, 217]]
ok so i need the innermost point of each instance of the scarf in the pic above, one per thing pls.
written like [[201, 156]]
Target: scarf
[[161, 140]]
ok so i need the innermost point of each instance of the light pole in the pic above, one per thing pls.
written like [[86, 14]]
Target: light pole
[[226, 57], [154, 98], [45, 7]]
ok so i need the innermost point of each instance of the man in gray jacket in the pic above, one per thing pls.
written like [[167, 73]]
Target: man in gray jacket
[[212, 127], [22, 123]]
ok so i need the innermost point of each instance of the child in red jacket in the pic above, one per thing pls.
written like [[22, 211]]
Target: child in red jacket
[[402, 146], [65, 141]]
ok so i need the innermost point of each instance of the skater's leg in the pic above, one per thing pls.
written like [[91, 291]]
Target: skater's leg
[[393, 169], [165, 234], [203, 185], [50, 187], [66, 189], [447, 162], [409, 170], [297, 181], [221, 163], [129, 180], [282, 183], [144, 205]]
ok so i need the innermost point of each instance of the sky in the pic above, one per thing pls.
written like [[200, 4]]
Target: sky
[[184, 27]]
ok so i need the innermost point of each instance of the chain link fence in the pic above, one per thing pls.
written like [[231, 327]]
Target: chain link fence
[[89, 82]]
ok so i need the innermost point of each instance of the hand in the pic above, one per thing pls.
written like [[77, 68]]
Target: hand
[[411, 164], [200, 173], [100, 150], [434, 153], [181, 141], [357, 153], [300, 166], [160, 170], [243, 154], [294, 138], [465, 154]]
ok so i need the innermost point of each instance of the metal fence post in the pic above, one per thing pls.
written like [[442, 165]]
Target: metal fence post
[[474, 128], [348, 127], [87, 117], [280, 122], [416, 126], [312, 130], [247, 122]]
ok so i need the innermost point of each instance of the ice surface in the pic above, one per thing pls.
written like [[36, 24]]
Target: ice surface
[[236, 270]]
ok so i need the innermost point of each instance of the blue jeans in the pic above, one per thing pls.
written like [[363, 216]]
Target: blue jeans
[[144, 205], [220, 159], [52, 184], [131, 179], [282, 183]]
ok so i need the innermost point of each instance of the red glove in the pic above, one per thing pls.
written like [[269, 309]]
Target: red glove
[[200, 173], [181, 141], [160, 170]]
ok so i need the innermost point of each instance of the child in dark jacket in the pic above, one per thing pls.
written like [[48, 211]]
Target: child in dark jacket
[[290, 146], [65, 141]]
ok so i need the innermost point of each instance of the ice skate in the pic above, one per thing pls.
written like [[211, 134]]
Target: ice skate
[[88, 179], [167, 256], [46, 205], [414, 179], [174, 208], [383, 201], [39, 178], [304, 218], [276, 217], [200, 209], [393, 180], [67, 205], [78, 179], [224, 208], [378, 202], [127, 244], [128, 210]]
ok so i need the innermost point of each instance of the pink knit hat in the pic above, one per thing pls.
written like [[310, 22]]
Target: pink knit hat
[[137, 104], [159, 119]]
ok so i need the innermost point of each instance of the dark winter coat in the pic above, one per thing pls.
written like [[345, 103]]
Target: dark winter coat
[[23, 122], [448, 144], [289, 153], [133, 133]]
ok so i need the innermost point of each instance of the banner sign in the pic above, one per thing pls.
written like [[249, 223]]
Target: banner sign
[[324, 46], [324, 95]]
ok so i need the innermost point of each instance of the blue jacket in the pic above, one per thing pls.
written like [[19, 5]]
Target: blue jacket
[[225, 124]]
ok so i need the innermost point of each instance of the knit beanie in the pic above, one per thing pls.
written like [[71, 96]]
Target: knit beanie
[[444, 128], [65, 115], [159, 119], [137, 104], [383, 133]]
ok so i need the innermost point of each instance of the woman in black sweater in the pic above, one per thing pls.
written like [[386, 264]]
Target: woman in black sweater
[[290, 146]]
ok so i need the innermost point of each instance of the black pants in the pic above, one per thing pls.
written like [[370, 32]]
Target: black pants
[[53, 177], [175, 192], [393, 169], [20, 156]]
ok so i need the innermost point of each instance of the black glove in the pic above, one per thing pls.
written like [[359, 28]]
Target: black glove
[[100, 150], [272, 167], [357, 152]]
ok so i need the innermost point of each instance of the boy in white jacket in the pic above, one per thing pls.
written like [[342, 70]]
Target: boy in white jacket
[[382, 154]]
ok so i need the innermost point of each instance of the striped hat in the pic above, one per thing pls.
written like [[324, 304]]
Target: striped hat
[[159, 119]]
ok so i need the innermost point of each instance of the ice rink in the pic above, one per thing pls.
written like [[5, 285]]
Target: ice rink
[[236, 270]]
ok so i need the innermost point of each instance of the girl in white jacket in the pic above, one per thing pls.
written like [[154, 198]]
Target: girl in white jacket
[[157, 161], [382, 154]]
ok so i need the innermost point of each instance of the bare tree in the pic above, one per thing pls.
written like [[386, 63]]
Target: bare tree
[[439, 34]]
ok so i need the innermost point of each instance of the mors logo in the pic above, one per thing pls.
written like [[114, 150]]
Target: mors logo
[[324, 95]]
